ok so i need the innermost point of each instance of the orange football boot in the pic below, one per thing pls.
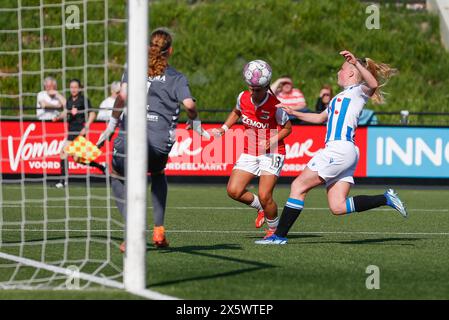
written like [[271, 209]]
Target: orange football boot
[[260, 220], [159, 239]]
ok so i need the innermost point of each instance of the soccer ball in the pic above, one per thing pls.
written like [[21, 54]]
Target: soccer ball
[[257, 73]]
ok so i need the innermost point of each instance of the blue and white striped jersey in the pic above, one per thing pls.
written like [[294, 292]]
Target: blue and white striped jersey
[[343, 113]]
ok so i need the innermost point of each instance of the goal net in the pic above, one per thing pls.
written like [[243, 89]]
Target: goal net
[[52, 238]]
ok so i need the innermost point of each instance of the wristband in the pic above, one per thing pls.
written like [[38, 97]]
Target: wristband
[[225, 127]]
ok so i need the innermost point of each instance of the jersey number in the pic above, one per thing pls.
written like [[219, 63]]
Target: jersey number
[[276, 162]]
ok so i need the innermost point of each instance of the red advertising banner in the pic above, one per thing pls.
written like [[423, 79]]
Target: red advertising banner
[[192, 155], [34, 148]]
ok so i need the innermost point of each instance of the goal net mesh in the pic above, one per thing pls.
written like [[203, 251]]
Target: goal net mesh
[[56, 238]]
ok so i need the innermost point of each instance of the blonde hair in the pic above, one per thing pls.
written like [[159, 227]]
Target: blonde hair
[[382, 72], [160, 43]]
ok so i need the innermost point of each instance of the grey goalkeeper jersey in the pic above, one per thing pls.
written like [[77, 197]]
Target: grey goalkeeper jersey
[[165, 94]]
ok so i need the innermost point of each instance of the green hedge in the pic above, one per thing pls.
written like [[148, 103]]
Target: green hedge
[[214, 39]]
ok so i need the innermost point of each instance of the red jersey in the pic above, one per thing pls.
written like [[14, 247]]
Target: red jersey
[[261, 122]]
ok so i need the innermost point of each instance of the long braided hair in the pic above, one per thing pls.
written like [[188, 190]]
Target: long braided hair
[[160, 43]]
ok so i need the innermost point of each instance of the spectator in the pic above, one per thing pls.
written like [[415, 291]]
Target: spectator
[[326, 96], [289, 96], [108, 104], [79, 116], [49, 101]]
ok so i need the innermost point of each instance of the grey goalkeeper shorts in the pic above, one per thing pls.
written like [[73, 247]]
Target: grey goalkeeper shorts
[[156, 159]]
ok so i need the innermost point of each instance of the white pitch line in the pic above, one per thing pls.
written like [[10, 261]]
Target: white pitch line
[[212, 208], [243, 232], [315, 232]]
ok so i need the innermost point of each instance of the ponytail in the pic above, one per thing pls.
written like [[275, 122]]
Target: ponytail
[[382, 72], [160, 44]]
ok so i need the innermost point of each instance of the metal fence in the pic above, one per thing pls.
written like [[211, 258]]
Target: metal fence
[[401, 117]]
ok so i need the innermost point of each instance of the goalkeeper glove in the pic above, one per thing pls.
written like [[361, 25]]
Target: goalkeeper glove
[[107, 134]]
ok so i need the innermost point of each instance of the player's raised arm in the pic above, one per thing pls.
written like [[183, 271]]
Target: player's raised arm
[[370, 82]]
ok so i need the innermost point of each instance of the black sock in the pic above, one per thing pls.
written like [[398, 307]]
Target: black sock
[[97, 165], [63, 170], [363, 203], [291, 212], [159, 190]]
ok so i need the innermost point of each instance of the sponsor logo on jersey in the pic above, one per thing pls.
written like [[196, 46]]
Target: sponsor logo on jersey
[[265, 115], [152, 118], [157, 78], [254, 123]]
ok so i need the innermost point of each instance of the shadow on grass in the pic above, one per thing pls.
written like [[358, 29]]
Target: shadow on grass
[[293, 236], [389, 241], [382, 240], [199, 250]]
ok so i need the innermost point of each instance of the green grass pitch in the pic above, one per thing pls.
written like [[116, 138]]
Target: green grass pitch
[[212, 254]]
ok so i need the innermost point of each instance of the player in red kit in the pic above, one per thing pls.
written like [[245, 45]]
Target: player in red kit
[[266, 126]]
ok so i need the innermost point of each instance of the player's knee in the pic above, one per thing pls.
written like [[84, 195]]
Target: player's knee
[[265, 198], [338, 208], [298, 188], [234, 192]]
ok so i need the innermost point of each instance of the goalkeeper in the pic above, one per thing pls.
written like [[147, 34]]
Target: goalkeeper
[[79, 120], [167, 89]]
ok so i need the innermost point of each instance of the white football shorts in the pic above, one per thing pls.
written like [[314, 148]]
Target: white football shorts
[[336, 162], [270, 163]]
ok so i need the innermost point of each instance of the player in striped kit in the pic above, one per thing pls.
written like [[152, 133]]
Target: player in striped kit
[[335, 164], [266, 126]]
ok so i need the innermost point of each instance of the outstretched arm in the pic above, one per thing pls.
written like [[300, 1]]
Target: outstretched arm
[[307, 117]]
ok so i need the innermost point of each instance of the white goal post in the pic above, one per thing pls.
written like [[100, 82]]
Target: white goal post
[[136, 172]]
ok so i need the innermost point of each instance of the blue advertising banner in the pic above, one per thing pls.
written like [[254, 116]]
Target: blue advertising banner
[[408, 152]]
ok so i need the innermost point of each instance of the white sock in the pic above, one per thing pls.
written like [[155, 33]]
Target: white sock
[[256, 203], [272, 224]]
